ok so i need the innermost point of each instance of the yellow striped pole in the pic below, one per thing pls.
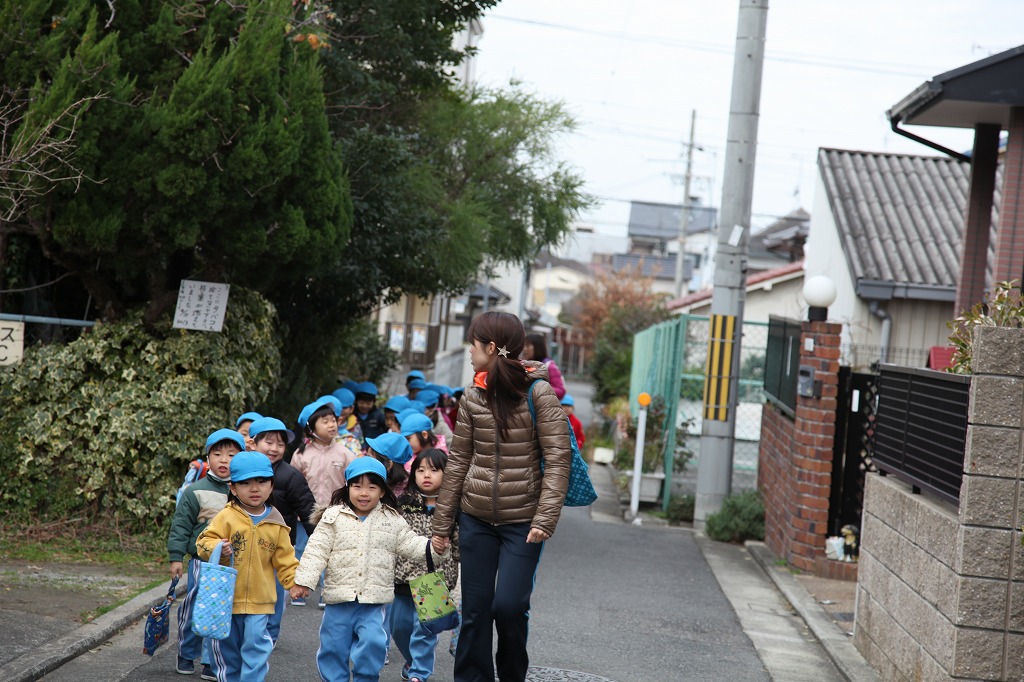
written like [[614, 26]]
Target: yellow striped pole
[[721, 343]]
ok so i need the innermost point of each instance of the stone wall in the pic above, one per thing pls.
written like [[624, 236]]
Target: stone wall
[[941, 589]]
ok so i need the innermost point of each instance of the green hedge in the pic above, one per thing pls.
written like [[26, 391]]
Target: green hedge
[[104, 426]]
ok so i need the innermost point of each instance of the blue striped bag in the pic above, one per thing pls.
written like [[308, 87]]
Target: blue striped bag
[[580, 492], [215, 598]]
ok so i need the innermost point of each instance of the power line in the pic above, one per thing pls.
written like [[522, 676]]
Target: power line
[[846, 64]]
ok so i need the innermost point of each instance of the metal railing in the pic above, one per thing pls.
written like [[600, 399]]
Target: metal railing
[[782, 362], [921, 433]]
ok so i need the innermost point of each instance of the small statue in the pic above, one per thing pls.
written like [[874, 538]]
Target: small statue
[[851, 542]]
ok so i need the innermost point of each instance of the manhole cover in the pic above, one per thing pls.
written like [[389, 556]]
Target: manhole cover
[[556, 675]]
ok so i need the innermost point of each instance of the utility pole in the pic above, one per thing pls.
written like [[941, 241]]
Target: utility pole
[[721, 381], [684, 220]]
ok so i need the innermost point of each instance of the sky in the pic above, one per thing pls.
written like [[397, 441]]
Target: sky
[[632, 71]]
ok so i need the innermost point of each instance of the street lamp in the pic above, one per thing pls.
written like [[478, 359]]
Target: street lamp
[[820, 293]]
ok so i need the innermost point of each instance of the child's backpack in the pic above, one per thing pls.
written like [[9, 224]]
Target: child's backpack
[[196, 470]]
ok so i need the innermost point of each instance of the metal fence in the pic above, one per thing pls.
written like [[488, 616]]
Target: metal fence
[[922, 428], [669, 360], [782, 362]]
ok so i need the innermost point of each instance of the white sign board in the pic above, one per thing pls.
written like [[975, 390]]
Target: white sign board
[[12, 342], [201, 306]]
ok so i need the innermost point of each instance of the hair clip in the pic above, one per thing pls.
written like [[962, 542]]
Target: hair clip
[[503, 352]]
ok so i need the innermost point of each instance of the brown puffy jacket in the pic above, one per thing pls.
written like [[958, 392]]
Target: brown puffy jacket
[[498, 480]]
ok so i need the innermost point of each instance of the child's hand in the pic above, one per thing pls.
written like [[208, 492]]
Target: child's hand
[[226, 550], [298, 592], [440, 544]]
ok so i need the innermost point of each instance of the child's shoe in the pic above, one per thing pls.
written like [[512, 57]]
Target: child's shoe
[[298, 602], [321, 604], [207, 673], [185, 666]]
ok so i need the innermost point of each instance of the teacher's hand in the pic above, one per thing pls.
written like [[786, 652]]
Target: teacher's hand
[[537, 535], [440, 544]]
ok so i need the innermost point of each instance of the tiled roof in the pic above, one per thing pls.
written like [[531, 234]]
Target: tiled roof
[[900, 217], [780, 273]]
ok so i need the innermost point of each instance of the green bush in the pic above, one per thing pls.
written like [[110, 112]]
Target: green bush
[[104, 426], [740, 518], [680, 509], [655, 442]]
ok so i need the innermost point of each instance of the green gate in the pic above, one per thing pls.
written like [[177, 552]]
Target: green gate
[[669, 362]]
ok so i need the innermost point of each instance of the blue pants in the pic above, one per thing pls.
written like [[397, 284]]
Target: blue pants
[[352, 631], [498, 572], [244, 654], [274, 623], [416, 643], [190, 645]]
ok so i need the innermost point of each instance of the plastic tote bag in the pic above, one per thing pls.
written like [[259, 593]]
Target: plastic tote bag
[[434, 606], [211, 616], [158, 621], [580, 492]]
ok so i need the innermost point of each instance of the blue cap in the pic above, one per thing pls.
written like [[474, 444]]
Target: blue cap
[[392, 445], [247, 417], [397, 403], [417, 405], [567, 400], [264, 424], [246, 465], [417, 384], [428, 398], [308, 410], [365, 465], [222, 435], [334, 401], [414, 423], [367, 387], [351, 385], [441, 389], [406, 413], [347, 397], [415, 374]]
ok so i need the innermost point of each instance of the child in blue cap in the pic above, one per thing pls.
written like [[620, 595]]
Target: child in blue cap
[[569, 407], [357, 541], [371, 419], [393, 451], [256, 535], [200, 502], [349, 431], [243, 421]]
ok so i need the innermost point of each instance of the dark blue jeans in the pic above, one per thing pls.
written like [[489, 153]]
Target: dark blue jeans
[[498, 572]]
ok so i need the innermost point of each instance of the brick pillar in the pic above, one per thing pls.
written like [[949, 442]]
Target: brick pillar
[[1009, 258], [978, 219]]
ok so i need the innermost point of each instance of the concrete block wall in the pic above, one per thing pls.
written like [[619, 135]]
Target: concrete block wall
[[941, 588], [795, 457]]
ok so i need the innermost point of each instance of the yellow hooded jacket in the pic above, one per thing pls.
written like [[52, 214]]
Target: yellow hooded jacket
[[259, 549]]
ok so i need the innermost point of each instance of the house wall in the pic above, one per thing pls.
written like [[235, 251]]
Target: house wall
[[783, 299], [551, 287], [940, 594]]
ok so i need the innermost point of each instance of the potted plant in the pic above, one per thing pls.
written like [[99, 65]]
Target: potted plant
[[652, 471]]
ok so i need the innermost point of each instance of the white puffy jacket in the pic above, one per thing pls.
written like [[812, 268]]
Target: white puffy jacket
[[359, 555]]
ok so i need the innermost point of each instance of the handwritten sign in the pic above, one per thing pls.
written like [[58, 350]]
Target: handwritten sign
[[12, 342], [201, 306]]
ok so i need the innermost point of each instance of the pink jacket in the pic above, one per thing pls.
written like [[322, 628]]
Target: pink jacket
[[555, 378], [324, 468]]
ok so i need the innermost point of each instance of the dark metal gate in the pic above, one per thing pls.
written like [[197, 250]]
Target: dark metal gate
[[856, 410]]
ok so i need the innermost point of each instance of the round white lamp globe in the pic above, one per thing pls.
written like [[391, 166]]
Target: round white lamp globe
[[820, 293]]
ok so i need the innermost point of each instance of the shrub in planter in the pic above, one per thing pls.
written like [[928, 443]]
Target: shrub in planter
[[740, 518]]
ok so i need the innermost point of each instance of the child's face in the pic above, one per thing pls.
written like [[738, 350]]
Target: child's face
[[243, 428], [364, 494], [391, 421], [272, 445], [346, 412], [220, 458], [414, 442], [326, 427], [252, 493], [428, 478], [568, 409], [480, 358], [364, 405]]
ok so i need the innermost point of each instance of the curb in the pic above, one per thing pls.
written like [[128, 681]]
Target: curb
[[838, 646], [52, 655]]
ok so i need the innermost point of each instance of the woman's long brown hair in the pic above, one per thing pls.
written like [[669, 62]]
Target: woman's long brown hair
[[507, 381]]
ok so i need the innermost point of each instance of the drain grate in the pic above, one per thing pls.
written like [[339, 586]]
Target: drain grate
[[557, 675]]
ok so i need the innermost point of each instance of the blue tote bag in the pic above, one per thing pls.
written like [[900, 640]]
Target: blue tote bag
[[215, 598], [580, 492]]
